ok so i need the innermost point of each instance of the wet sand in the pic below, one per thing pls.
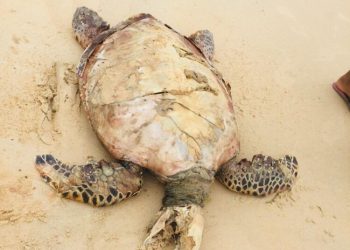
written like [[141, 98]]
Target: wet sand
[[280, 60]]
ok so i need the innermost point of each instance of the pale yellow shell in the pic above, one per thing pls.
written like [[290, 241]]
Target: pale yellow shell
[[153, 99]]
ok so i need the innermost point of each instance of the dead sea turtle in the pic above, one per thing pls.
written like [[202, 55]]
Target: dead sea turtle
[[156, 101]]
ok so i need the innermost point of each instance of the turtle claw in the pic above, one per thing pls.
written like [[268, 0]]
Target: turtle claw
[[182, 224], [45, 165]]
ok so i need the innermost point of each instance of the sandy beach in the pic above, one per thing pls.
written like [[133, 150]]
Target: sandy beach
[[280, 59]]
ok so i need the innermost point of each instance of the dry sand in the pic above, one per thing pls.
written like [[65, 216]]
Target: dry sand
[[280, 59]]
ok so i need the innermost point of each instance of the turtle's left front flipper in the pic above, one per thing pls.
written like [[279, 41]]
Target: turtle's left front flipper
[[261, 176], [97, 183]]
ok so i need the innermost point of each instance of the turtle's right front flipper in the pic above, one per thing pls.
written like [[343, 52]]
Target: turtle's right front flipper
[[97, 183]]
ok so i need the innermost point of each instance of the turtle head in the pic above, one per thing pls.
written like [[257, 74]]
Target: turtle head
[[87, 24]]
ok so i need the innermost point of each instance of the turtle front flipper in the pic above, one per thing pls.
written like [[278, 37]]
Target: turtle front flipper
[[261, 176], [97, 183]]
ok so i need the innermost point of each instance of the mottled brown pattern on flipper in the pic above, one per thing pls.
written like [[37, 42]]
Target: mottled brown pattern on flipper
[[261, 176], [96, 183], [86, 25], [204, 40]]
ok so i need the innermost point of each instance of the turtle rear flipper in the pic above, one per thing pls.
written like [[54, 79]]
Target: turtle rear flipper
[[261, 176], [204, 41], [87, 24], [97, 183]]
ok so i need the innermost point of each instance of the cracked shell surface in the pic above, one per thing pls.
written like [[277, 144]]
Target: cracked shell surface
[[153, 99]]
